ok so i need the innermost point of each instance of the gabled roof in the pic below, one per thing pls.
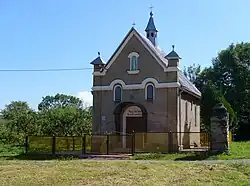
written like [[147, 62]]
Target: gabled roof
[[188, 85], [156, 49], [148, 45], [156, 52]]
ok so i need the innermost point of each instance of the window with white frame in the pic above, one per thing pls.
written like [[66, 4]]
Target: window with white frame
[[133, 62], [117, 93], [149, 91]]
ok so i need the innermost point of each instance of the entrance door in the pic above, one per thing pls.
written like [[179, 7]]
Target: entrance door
[[136, 124]]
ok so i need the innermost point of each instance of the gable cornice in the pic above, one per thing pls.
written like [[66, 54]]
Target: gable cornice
[[124, 42]]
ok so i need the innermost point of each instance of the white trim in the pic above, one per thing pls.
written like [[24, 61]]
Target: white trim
[[98, 73], [173, 58], [172, 69], [168, 69], [146, 91], [117, 85], [133, 72], [133, 54], [136, 86]]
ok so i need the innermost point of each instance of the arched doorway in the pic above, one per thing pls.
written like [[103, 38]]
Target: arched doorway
[[130, 117]]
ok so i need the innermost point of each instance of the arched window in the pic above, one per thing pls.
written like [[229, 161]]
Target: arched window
[[133, 62], [117, 93], [149, 92]]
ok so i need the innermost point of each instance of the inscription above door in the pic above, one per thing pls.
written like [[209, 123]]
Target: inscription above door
[[133, 111]]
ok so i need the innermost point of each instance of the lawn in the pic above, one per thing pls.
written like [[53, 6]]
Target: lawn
[[238, 150], [120, 172], [18, 169]]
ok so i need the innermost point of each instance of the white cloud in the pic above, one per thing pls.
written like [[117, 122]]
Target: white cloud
[[86, 97]]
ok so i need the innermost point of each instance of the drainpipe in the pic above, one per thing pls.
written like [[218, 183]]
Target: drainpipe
[[180, 144]]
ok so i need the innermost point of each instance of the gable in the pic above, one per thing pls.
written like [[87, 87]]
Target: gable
[[147, 65], [147, 45]]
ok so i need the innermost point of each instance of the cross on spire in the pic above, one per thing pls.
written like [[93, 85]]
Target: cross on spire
[[133, 24], [151, 12], [151, 8]]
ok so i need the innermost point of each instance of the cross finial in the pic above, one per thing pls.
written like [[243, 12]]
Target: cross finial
[[151, 8], [99, 54], [133, 24], [173, 47]]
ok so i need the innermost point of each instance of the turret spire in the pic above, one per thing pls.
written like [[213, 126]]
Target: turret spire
[[151, 30]]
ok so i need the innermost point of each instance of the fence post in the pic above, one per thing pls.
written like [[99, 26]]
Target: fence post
[[73, 143], [133, 143], [53, 145], [84, 144], [170, 141], [107, 144], [26, 144]]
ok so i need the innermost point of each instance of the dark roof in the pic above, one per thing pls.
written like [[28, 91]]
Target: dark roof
[[97, 61], [172, 54], [188, 85], [151, 24]]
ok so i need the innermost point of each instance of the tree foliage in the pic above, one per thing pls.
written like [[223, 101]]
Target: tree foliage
[[229, 76], [20, 120], [57, 115], [59, 101]]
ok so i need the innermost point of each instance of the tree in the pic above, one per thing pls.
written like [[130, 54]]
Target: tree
[[192, 72], [230, 76], [59, 101], [210, 97], [63, 121], [64, 115], [20, 120]]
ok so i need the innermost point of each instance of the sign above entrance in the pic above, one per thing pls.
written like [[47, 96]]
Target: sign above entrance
[[133, 111]]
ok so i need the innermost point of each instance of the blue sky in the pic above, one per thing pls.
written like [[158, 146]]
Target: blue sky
[[68, 34]]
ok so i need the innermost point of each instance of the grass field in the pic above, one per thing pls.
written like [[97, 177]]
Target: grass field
[[18, 169], [120, 172], [238, 150]]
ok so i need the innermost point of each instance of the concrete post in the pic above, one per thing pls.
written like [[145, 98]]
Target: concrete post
[[220, 129]]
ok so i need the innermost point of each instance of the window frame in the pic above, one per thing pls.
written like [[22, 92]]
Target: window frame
[[131, 56], [146, 91], [114, 93]]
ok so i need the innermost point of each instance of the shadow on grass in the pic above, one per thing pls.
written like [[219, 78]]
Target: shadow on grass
[[32, 156], [194, 157], [200, 156]]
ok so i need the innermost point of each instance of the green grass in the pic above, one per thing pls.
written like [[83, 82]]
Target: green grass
[[238, 150], [97, 172]]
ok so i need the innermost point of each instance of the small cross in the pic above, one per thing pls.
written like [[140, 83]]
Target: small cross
[[98, 53], [133, 24], [173, 47], [151, 8]]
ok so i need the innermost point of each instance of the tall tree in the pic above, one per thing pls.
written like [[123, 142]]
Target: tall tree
[[59, 101]]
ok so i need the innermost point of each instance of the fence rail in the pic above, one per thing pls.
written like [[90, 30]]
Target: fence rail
[[118, 143]]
